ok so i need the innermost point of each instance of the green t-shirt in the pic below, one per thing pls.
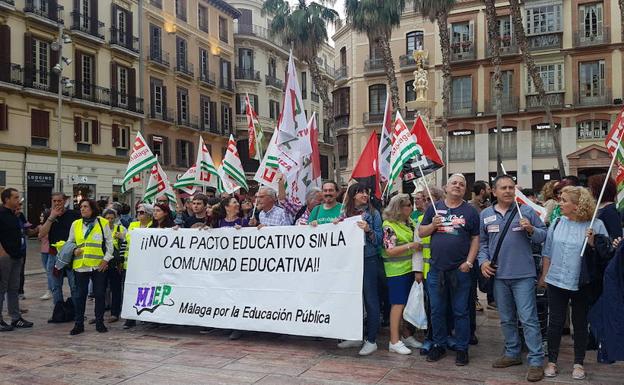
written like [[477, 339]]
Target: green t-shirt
[[415, 215], [322, 216]]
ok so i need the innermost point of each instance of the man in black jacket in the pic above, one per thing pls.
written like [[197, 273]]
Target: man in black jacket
[[10, 259]]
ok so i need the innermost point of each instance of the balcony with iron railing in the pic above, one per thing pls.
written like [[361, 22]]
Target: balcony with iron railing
[[341, 73], [509, 105], [261, 33], [126, 102], [373, 117], [375, 65], [91, 93], [407, 61], [463, 108], [156, 3], [327, 136], [341, 121], [11, 73], [226, 84], [87, 26], [553, 99], [165, 114], [160, 58], [44, 11], [597, 97], [208, 79], [187, 120], [315, 97], [127, 42], [10, 4], [591, 37], [39, 79], [246, 74], [508, 46], [545, 42], [462, 50], [184, 68], [272, 81]]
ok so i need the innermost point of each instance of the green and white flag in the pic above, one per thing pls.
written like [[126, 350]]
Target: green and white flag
[[274, 162], [232, 167], [225, 184], [207, 172], [404, 149], [158, 185], [141, 159]]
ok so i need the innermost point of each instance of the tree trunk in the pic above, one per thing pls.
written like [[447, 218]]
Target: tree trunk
[[445, 44], [494, 44], [328, 105], [390, 74], [521, 39]]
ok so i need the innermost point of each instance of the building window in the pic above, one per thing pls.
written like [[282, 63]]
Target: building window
[[410, 93], [226, 118], [180, 9], [122, 86], [158, 97], [376, 99], [592, 79], [158, 146], [121, 136], [414, 41], [272, 67], [40, 59], [274, 109], [461, 95], [87, 74], [343, 150], [121, 21], [223, 30], [155, 42], [591, 19], [202, 18], [461, 145], [241, 108], [184, 153], [181, 50], [552, 77], [342, 102], [39, 127], [543, 19], [205, 111], [343, 57], [505, 31], [203, 63], [304, 85], [542, 140], [461, 38], [246, 61], [592, 129], [183, 104], [226, 73], [508, 139]]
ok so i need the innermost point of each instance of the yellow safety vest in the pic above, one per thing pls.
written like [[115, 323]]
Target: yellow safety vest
[[400, 264], [116, 230], [132, 226], [92, 253], [426, 250]]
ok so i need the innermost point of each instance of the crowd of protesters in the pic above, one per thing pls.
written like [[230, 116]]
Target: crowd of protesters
[[433, 236]]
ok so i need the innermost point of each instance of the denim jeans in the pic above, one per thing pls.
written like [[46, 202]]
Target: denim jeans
[[82, 287], [115, 280], [371, 297], [57, 282], [516, 300], [47, 261], [9, 284], [456, 288]]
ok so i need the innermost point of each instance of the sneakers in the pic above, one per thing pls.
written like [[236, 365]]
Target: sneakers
[[5, 327], [368, 348], [21, 296], [412, 342], [551, 370], [461, 358], [113, 319], [535, 373], [349, 344], [478, 306], [473, 340], [235, 335], [47, 295], [399, 348], [579, 372], [505, 362], [130, 323], [436, 353], [21, 323], [99, 326], [492, 306], [78, 329]]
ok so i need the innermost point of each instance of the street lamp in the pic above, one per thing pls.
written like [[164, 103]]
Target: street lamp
[[63, 83]]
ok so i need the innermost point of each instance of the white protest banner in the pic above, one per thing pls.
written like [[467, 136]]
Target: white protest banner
[[293, 280]]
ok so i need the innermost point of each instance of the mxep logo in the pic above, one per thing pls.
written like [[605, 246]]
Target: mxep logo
[[151, 297]]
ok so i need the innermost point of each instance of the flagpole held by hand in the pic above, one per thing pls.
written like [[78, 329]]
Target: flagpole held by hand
[[253, 212], [515, 200], [422, 175]]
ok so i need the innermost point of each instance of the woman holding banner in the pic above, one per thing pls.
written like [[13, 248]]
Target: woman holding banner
[[398, 247], [228, 214], [357, 202], [565, 273], [144, 213], [163, 217], [94, 249]]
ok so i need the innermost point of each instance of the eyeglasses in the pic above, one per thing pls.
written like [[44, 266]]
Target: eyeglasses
[[406, 205], [140, 212]]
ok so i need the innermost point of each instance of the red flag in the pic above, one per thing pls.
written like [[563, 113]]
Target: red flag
[[366, 171], [428, 157]]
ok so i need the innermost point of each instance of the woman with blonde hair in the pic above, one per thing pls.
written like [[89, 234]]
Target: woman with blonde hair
[[564, 272], [398, 247], [549, 198]]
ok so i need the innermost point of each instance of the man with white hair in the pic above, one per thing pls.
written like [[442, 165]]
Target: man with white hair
[[271, 214]]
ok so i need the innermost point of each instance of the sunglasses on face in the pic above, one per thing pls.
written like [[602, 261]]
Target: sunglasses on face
[[140, 212]]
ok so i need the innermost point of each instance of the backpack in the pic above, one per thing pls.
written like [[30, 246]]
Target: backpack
[[63, 312]]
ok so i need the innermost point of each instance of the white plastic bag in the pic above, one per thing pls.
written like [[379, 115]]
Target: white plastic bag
[[414, 311]]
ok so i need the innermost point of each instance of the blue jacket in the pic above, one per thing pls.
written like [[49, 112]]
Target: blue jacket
[[65, 255], [606, 316], [374, 238]]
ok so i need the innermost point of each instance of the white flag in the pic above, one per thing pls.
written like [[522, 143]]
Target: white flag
[[186, 182], [541, 211], [207, 172], [385, 144], [232, 166], [141, 158], [292, 125], [158, 186], [403, 148], [225, 183]]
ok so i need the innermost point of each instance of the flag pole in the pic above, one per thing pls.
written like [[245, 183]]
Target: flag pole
[[604, 185], [422, 175], [253, 212], [517, 205]]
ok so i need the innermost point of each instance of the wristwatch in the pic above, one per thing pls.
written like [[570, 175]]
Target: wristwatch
[[469, 264]]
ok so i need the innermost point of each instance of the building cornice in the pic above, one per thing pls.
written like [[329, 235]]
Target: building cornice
[[225, 7]]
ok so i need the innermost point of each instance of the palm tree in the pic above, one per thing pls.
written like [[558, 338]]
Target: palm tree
[[377, 19], [494, 43], [438, 11], [521, 40], [304, 28]]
